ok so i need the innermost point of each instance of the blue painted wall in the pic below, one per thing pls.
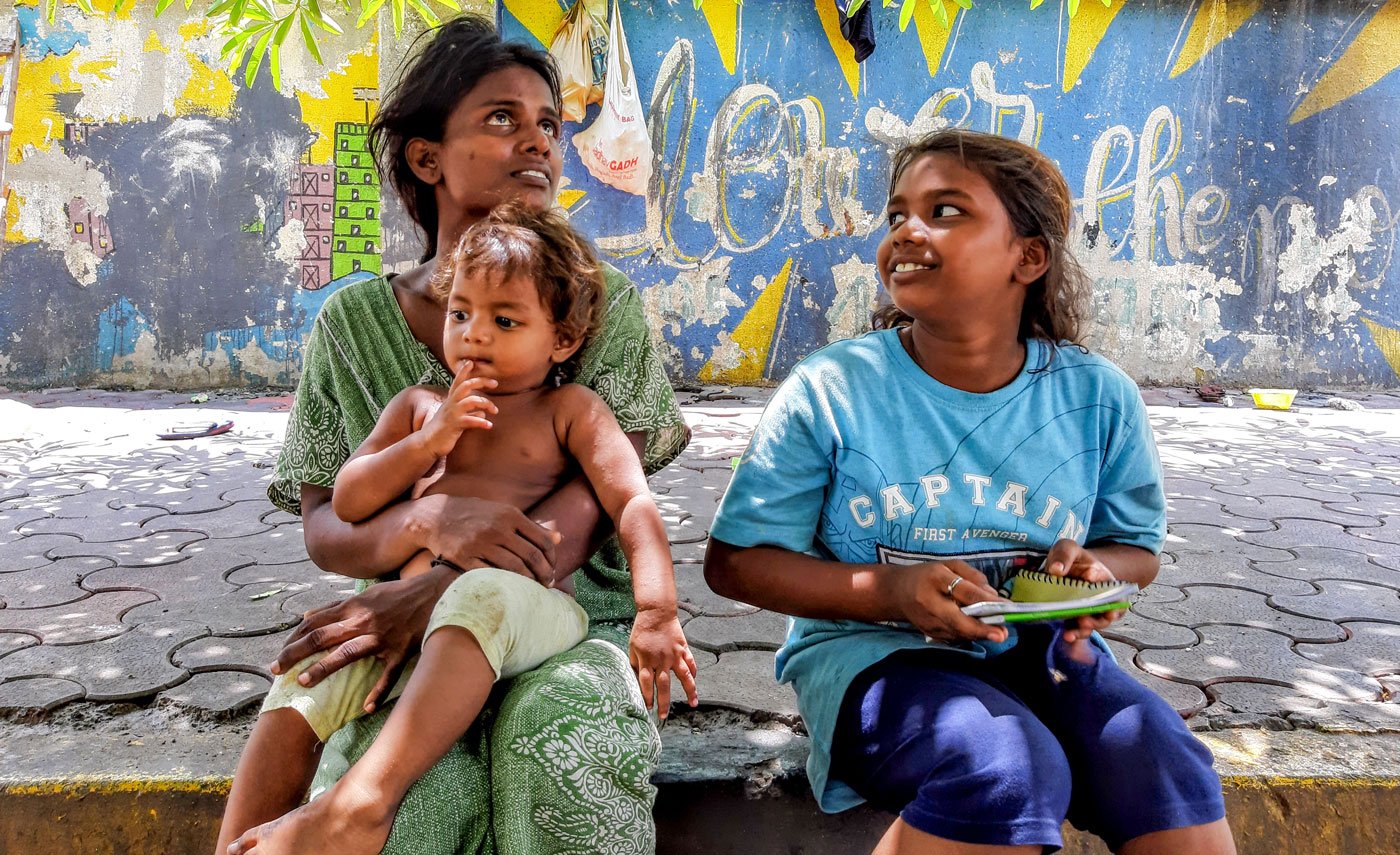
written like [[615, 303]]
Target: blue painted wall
[[1235, 167], [1236, 197]]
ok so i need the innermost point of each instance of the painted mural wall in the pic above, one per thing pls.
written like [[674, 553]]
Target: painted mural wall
[[166, 225], [1234, 162]]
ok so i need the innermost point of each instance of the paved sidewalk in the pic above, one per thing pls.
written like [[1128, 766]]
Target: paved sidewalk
[[144, 585]]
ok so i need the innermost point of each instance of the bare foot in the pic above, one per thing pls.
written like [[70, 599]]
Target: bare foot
[[345, 820]]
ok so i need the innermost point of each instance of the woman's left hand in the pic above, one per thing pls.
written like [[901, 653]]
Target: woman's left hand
[[1068, 558]]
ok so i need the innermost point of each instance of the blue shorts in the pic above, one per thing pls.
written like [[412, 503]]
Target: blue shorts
[[1002, 750]]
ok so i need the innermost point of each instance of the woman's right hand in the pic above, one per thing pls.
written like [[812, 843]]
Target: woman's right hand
[[932, 595], [480, 533], [386, 621]]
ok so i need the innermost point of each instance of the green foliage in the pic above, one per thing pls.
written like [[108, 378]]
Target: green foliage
[[699, 3], [257, 30]]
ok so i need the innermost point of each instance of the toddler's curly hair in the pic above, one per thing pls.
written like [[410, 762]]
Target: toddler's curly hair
[[540, 246]]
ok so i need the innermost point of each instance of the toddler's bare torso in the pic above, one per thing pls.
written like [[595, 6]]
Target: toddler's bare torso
[[519, 461]]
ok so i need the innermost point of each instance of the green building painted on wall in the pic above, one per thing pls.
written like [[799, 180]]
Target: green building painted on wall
[[356, 233]]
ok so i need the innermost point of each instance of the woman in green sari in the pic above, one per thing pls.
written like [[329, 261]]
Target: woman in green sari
[[562, 758]]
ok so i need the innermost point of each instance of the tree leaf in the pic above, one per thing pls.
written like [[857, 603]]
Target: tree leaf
[[319, 19], [162, 5], [396, 6], [250, 74], [428, 15], [1035, 4], [274, 64], [964, 4], [906, 14], [309, 39], [237, 42], [1073, 8], [368, 9], [454, 5], [940, 13], [854, 7]]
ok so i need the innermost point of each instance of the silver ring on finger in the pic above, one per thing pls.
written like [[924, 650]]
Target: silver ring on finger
[[957, 580]]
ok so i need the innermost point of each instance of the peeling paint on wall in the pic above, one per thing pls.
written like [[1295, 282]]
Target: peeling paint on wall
[[153, 236], [1232, 166], [1237, 227]]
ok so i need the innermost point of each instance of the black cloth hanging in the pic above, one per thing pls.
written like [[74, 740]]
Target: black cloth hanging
[[858, 29]]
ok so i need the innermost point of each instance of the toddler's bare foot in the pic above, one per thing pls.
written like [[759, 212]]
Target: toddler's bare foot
[[346, 820]]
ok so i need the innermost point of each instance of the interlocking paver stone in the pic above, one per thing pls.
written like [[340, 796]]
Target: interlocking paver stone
[[219, 692], [49, 585], [92, 619], [1211, 604], [240, 519], [132, 665], [1350, 717], [1264, 486], [25, 553], [101, 526], [12, 641], [761, 630], [1142, 632], [148, 550], [1216, 542], [1385, 534], [742, 680], [696, 597], [1309, 533], [224, 653], [1232, 570], [1368, 503], [1314, 563], [1345, 601], [1374, 648], [37, 694], [1245, 653], [297, 571], [241, 611], [1276, 509], [284, 544], [12, 519]]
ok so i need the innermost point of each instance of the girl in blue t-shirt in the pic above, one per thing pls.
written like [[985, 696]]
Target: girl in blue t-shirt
[[898, 477]]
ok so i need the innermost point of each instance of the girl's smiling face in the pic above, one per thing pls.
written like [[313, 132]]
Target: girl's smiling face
[[951, 257]]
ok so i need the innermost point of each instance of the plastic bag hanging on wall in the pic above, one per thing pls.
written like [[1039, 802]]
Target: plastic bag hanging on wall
[[572, 49], [616, 148]]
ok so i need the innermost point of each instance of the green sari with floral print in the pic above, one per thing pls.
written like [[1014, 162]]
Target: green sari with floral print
[[561, 759]]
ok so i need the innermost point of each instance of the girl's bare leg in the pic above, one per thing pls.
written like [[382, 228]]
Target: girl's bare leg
[[1210, 839], [904, 839], [443, 698], [273, 773]]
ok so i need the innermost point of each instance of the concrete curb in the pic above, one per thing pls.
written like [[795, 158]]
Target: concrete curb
[[726, 785]]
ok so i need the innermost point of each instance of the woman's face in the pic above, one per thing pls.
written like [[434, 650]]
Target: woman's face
[[501, 142]]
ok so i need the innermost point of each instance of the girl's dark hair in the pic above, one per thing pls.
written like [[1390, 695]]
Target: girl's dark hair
[[453, 59], [541, 246], [1038, 203]]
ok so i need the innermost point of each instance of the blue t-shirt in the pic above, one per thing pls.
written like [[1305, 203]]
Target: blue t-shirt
[[863, 458]]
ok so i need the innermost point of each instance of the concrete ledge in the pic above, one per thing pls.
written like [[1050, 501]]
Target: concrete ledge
[[727, 785]]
